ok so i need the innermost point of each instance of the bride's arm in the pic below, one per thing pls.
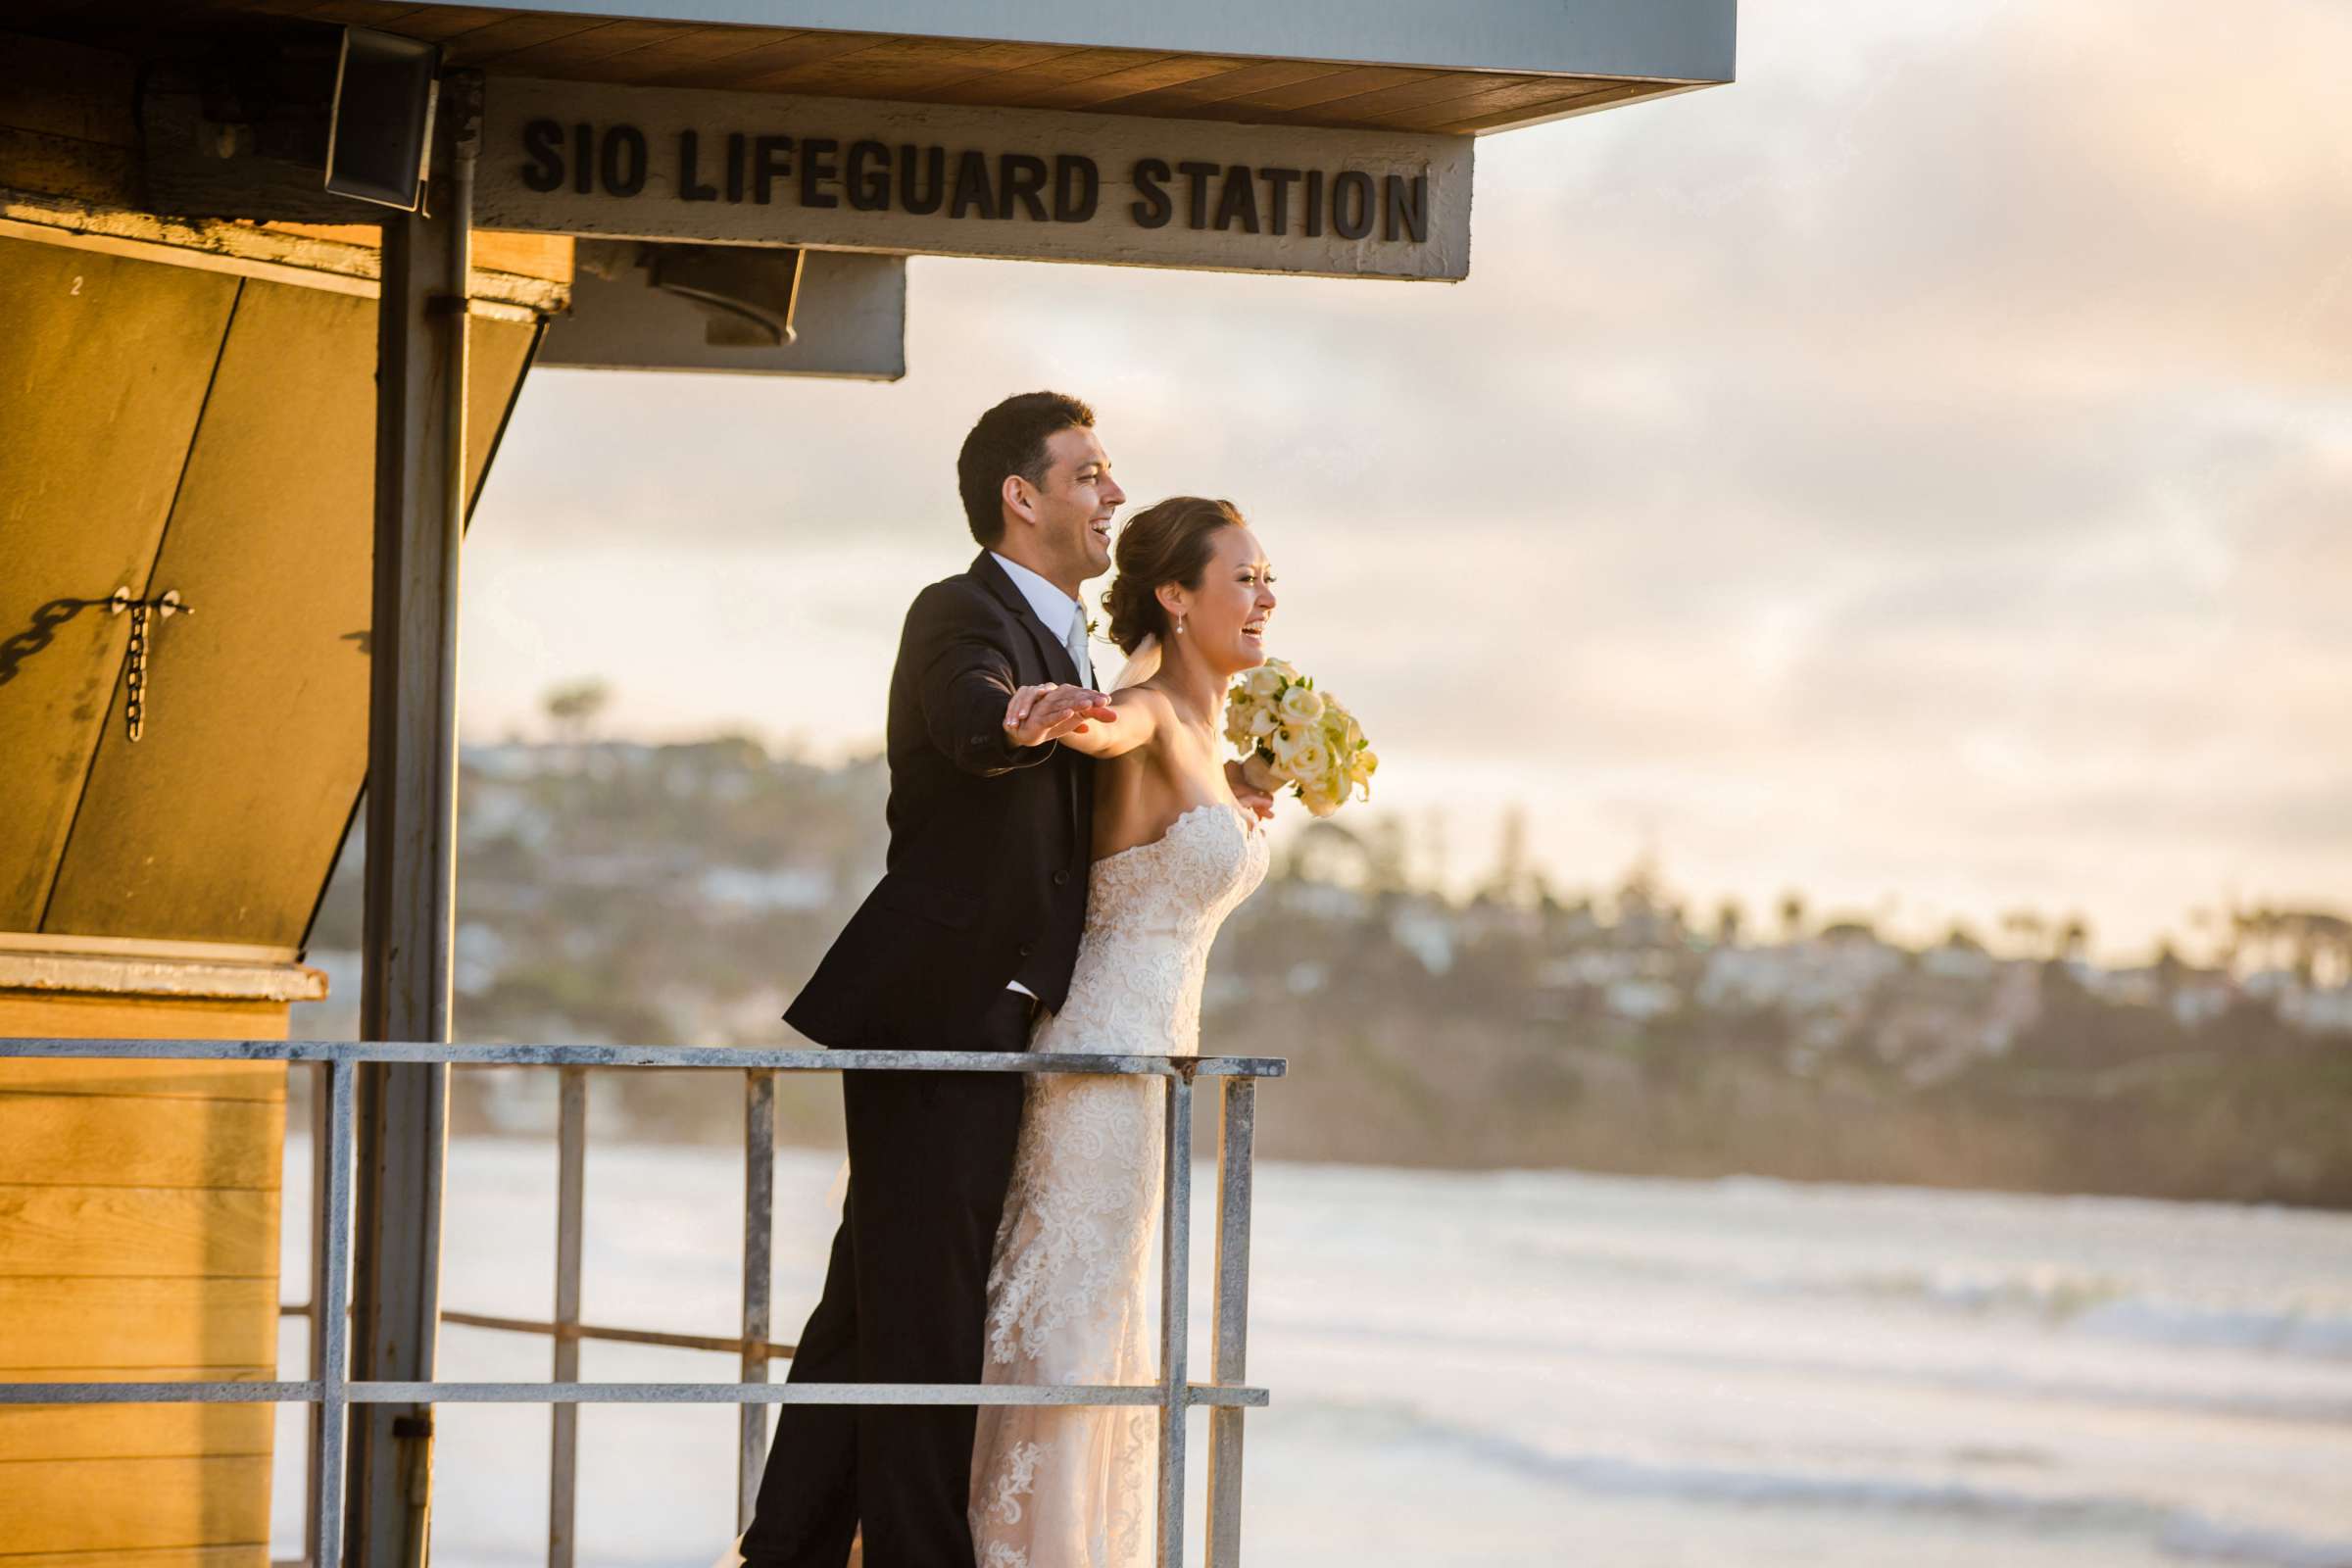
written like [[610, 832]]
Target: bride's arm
[[1141, 712]]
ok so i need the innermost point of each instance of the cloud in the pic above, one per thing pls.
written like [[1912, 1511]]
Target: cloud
[[1922, 465]]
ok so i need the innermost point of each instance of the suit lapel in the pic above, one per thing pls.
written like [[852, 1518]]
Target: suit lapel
[[1055, 656], [1058, 660]]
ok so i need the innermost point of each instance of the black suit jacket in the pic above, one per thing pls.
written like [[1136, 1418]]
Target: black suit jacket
[[989, 842]]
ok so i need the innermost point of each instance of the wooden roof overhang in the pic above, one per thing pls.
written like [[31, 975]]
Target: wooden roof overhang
[[1469, 66]]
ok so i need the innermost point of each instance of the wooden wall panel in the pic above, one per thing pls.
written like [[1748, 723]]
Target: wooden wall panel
[[131, 1431], [165, 1080], [222, 823], [135, 1232], [103, 371], [251, 1554], [138, 1322], [83, 1506], [121, 1018], [257, 703], [83, 1141]]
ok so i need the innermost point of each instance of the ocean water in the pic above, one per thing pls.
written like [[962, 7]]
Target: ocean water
[[1541, 1368]]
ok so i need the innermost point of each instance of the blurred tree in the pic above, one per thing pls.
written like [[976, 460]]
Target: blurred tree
[[2074, 939], [1387, 855], [573, 706], [1792, 916], [1510, 883], [2027, 932]]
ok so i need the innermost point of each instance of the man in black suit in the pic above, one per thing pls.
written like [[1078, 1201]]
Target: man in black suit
[[971, 932]]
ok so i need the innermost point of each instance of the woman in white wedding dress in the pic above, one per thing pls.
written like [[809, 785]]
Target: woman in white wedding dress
[[1071, 1487]]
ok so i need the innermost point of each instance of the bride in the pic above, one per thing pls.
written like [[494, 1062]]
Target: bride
[[1070, 1487]]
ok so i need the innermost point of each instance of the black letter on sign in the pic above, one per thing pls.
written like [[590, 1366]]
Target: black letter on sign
[[1077, 188], [1314, 203], [1278, 198], [583, 156], [1151, 207], [817, 164], [1024, 179], [736, 142], [1201, 174], [1239, 204], [924, 205], [621, 160], [772, 160], [868, 186], [543, 139], [971, 186], [690, 186], [1351, 204], [1404, 207]]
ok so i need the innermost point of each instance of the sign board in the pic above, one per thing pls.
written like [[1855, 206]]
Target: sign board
[[854, 175]]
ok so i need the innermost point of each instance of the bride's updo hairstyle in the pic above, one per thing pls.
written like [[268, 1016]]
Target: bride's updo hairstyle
[[1169, 542]]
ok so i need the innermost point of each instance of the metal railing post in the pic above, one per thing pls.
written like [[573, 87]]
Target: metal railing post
[[321, 1134], [571, 1198], [758, 1252], [328, 1310], [1175, 1285], [1229, 1357]]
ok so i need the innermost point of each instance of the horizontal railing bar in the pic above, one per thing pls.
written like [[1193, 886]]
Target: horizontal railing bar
[[214, 1393], [591, 1331], [853, 1394], [739, 1058], [857, 1393]]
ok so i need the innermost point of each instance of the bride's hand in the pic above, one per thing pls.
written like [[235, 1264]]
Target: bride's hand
[[1041, 714], [1248, 789]]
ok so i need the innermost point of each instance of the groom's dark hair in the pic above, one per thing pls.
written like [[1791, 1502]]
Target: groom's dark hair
[[1010, 438]]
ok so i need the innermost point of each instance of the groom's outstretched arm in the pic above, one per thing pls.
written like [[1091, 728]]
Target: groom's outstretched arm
[[966, 679]]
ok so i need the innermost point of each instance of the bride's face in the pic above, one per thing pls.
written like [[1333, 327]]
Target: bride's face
[[1225, 617]]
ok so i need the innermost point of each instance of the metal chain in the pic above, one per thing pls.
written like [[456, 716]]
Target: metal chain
[[135, 679], [134, 676]]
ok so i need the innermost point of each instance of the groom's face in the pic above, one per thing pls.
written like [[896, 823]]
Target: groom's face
[[1071, 511]]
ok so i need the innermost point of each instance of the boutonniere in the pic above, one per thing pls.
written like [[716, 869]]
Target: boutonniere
[[1094, 630]]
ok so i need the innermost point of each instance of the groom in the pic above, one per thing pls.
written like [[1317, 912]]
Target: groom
[[972, 931]]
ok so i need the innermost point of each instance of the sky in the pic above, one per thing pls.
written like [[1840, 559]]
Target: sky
[[1918, 474]]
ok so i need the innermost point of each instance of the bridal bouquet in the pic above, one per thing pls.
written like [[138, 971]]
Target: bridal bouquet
[[1300, 736]]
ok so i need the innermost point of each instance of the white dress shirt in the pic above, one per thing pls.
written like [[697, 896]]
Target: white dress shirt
[[1056, 610], [1065, 619]]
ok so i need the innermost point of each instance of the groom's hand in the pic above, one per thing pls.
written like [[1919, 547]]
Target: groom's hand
[[1041, 714]]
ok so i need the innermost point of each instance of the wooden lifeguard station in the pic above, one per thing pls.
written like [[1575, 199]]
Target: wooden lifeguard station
[[253, 373]]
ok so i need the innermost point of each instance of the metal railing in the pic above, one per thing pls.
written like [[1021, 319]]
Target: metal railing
[[330, 1391]]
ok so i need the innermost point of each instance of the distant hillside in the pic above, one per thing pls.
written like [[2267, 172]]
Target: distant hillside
[[680, 894]]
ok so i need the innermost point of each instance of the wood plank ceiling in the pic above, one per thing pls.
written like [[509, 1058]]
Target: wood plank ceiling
[[865, 65]]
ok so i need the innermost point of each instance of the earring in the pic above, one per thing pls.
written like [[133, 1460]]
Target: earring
[[1179, 625]]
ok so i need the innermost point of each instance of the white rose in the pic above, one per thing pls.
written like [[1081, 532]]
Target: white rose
[[1300, 706], [1310, 760], [1264, 682]]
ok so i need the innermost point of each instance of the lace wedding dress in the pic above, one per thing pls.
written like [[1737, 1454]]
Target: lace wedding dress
[[1070, 1487]]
